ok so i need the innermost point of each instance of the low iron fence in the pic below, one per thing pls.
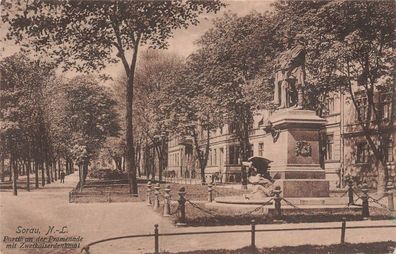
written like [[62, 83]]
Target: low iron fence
[[154, 198], [154, 195], [252, 230]]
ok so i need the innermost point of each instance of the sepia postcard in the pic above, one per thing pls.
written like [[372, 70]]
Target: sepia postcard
[[197, 126]]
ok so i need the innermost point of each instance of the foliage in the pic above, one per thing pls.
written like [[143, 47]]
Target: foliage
[[108, 174], [24, 131], [349, 49], [84, 34], [91, 117]]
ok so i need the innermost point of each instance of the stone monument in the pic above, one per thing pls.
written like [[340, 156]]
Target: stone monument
[[293, 132]]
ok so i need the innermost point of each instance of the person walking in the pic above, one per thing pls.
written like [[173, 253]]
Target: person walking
[[62, 177]]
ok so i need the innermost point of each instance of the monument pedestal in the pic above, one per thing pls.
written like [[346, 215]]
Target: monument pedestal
[[293, 146]]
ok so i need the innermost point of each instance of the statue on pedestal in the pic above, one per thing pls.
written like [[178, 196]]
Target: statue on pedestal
[[290, 77]]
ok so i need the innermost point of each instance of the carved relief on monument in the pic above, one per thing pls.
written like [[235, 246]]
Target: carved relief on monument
[[303, 148]]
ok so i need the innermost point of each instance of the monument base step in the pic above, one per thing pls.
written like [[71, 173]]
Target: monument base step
[[297, 174], [304, 188]]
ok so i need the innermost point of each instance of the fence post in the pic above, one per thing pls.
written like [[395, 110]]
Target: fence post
[[253, 234], [389, 193], [210, 192], [182, 207], [167, 198], [343, 227], [278, 209], [350, 192], [365, 205], [156, 239], [156, 197], [149, 186]]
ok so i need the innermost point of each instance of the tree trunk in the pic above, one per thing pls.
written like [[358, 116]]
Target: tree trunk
[[51, 168], [85, 171], [36, 174], [42, 174], [67, 166], [130, 158], [23, 167], [123, 163], [382, 177], [18, 168], [2, 168], [202, 157], [59, 167], [47, 171], [14, 173], [55, 170], [10, 168], [28, 167], [80, 174]]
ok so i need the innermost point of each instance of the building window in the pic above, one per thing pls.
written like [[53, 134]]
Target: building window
[[329, 147], [389, 151], [214, 157], [261, 149], [234, 154], [385, 106], [362, 108], [362, 152], [251, 152], [330, 106]]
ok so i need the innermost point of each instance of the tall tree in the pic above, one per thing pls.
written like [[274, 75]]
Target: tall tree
[[157, 69], [22, 125], [231, 55], [83, 35], [350, 48], [91, 118], [190, 111]]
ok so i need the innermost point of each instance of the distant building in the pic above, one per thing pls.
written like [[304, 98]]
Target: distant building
[[344, 150]]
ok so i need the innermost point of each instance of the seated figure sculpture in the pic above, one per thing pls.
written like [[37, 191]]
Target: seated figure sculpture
[[263, 186]]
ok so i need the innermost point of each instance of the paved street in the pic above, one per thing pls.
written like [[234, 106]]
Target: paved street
[[49, 207]]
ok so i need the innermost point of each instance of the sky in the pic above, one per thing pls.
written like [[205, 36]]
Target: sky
[[182, 42]]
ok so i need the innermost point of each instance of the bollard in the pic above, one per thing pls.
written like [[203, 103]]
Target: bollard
[[365, 206], [182, 207], [156, 196], [167, 201], [149, 190], [156, 239], [389, 193], [85, 250], [343, 227], [253, 234], [350, 192], [210, 192], [278, 208]]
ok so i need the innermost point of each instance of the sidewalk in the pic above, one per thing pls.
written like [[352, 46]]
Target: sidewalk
[[239, 240], [96, 221]]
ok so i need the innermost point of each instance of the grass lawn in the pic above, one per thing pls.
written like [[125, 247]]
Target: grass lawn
[[117, 191], [348, 248]]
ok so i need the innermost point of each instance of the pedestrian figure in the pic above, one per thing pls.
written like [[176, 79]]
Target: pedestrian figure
[[62, 177]]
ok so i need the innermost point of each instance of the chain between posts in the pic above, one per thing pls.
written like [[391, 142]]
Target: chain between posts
[[237, 215], [378, 203]]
